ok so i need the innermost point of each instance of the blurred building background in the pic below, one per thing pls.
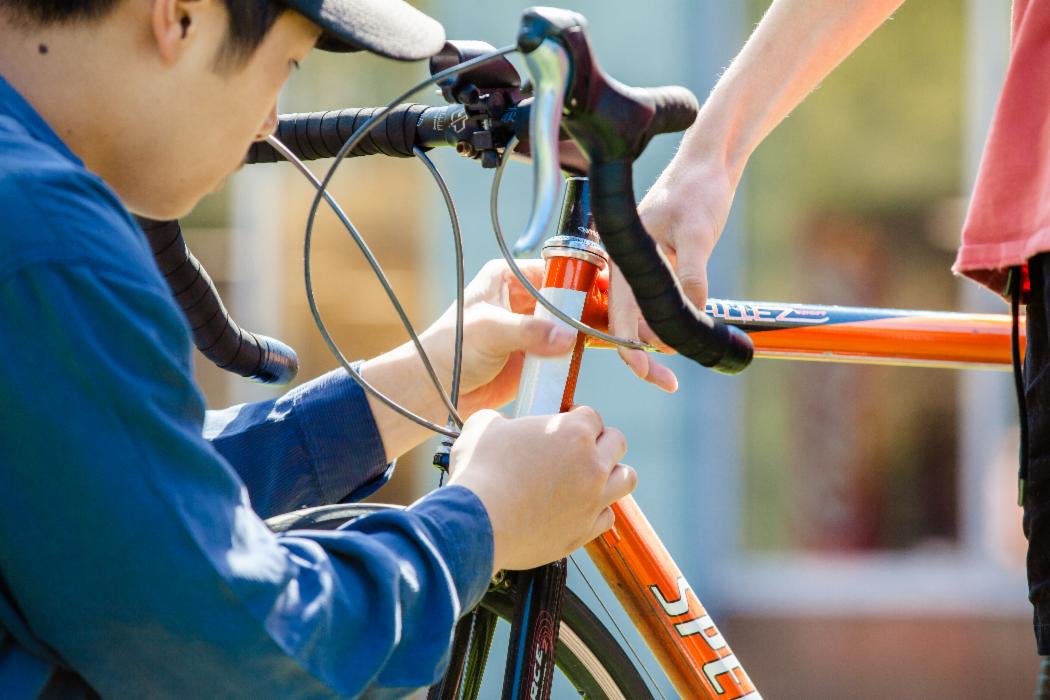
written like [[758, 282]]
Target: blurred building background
[[852, 529]]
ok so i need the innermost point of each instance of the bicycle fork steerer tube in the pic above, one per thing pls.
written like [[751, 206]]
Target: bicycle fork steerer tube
[[630, 556]]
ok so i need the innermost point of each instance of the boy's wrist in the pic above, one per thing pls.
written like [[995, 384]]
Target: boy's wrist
[[490, 509], [462, 528], [400, 375]]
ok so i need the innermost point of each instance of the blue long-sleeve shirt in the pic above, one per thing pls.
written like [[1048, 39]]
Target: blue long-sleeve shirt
[[133, 560]]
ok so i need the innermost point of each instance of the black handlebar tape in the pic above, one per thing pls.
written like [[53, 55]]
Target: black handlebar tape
[[672, 317], [321, 134], [676, 109], [215, 334]]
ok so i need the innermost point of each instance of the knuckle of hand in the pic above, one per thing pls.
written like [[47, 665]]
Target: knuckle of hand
[[537, 330], [484, 415], [599, 468], [484, 321], [483, 420], [582, 437], [588, 415], [566, 423], [692, 279]]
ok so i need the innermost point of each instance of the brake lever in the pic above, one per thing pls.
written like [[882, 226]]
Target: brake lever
[[549, 68]]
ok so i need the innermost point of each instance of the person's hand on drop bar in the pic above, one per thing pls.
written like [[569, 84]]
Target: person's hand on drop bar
[[794, 47], [684, 212]]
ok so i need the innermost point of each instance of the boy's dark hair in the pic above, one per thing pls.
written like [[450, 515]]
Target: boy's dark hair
[[250, 20]]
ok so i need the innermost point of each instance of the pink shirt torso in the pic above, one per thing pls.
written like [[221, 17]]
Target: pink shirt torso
[[1008, 221]]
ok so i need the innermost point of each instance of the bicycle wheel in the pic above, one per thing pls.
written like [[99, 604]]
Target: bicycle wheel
[[587, 655]]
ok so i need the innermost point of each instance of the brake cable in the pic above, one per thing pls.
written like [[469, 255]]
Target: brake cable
[[497, 228], [322, 193], [378, 270], [457, 239], [444, 452]]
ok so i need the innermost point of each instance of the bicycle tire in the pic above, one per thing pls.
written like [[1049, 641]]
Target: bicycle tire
[[588, 656]]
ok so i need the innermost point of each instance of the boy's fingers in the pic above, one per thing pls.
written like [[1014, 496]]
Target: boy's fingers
[[691, 270], [625, 321], [646, 333], [623, 309], [509, 332], [660, 375], [605, 520], [621, 482], [612, 446], [645, 366]]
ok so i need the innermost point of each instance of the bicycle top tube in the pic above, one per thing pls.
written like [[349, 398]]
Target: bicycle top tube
[[859, 335]]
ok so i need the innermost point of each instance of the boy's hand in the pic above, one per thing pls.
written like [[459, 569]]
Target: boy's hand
[[498, 330], [546, 481]]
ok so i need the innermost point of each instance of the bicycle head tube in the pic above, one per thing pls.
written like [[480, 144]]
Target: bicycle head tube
[[613, 123]]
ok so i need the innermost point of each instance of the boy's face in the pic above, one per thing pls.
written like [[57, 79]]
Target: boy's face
[[207, 115]]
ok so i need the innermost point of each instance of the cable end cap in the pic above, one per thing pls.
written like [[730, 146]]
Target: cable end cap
[[739, 351]]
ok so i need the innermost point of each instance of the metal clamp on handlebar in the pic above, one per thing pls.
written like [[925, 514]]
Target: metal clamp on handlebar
[[612, 124]]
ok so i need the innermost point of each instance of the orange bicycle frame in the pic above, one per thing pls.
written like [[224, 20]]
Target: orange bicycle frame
[[859, 335], [635, 563], [630, 556]]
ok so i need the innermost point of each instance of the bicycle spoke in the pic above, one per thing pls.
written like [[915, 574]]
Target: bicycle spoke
[[481, 643]]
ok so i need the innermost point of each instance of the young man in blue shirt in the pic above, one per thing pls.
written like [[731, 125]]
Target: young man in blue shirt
[[133, 560]]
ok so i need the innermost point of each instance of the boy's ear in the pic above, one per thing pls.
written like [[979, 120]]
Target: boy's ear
[[174, 25]]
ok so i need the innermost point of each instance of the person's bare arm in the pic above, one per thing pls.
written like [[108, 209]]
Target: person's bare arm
[[795, 46]]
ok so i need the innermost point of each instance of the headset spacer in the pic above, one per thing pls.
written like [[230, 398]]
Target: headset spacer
[[575, 247]]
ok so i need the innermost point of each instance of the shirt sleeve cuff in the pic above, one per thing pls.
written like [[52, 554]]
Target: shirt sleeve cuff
[[341, 436], [460, 528]]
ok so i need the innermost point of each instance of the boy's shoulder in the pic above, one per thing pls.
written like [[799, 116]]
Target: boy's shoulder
[[53, 210]]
